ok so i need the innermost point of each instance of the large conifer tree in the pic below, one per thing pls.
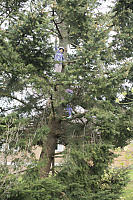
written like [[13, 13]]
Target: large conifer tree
[[34, 101]]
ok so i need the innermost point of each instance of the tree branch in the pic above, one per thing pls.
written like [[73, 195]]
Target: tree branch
[[56, 25], [51, 98], [13, 97]]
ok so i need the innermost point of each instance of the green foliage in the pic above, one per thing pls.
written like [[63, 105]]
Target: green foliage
[[29, 37], [123, 21], [10, 8], [27, 77], [25, 188], [127, 192], [41, 134], [86, 175]]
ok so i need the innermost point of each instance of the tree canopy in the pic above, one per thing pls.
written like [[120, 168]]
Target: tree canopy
[[34, 100]]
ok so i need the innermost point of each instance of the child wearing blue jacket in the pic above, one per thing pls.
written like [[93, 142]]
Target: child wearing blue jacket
[[59, 59]]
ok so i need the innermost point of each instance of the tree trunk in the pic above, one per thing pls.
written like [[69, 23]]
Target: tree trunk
[[49, 146], [64, 41], [48, 149]]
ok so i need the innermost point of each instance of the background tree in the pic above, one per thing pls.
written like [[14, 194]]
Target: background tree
[[122, 42], [27, 77]]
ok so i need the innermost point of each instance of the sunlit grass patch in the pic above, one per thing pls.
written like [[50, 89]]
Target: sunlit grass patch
[[128, 191]]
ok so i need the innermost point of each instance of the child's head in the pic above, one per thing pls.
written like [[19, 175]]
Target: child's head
[[61, 49]]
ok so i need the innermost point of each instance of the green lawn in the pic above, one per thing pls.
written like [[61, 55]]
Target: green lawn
[[128, 191]]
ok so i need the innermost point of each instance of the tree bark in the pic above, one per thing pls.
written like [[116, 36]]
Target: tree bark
[[49, 146], [48, 149]]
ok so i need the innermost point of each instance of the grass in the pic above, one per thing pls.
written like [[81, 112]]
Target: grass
[[126, 160], [128, 191]]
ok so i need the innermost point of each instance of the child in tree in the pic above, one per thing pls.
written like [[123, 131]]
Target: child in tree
[[69, 109], [59, 59]]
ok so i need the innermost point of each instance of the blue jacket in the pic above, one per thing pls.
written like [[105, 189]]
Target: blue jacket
[[59, 56]]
